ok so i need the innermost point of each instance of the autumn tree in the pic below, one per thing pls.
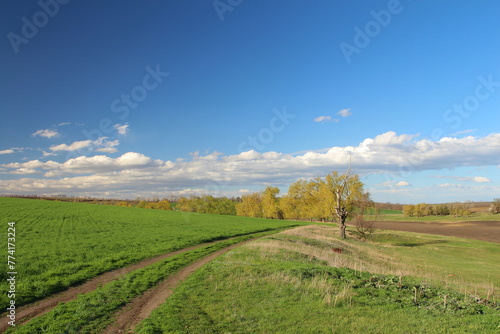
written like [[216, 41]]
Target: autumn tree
[[458, 209], [343, 191], [164, 204], [270, 203], [294, 204], [495, 206], [409, 210], [250, 206], [207, 204]]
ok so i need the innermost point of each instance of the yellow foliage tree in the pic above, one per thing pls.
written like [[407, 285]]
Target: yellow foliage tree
[[250, 206], [270, 203]]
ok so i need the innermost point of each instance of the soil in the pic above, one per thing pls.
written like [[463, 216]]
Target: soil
[[27, 312], [480, 230], [141, 307]]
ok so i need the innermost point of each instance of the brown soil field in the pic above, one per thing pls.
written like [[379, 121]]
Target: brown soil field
[[480, 230]]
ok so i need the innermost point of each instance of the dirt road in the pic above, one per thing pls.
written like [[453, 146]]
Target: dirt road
[[43, 306], [141, 307]]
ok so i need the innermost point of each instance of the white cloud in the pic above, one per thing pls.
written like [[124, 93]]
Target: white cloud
[[463, 132], [450, 185], [107, 150], [106, 146], [345, 112], [122, 129], [323, 119], [133, 173], [10, 151], [481, 179], [476, 179], [77, 145], [22, 171], [100, 145], [402, 184], [48, 154], [326, 119], [47, 133], [394, 184]]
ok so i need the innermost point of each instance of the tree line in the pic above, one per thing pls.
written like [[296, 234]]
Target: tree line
[[331, 198], [456, 209]]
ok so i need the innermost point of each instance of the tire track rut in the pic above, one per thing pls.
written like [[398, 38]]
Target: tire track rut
[[141, 307], [30, 311]]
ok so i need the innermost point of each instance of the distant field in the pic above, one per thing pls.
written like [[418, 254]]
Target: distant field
[[59, 244], [395, 215], [292, 282]]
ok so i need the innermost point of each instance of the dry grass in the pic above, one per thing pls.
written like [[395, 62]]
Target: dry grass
[[364, 256]]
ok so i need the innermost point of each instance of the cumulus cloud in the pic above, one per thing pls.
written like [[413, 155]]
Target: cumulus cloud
[[481, 179], [101, 144], [122, 129], [48, 154], [345, 112], [132, 172], [402, 184], [10, 151], [106, 146], [77, 145], [47, 133]]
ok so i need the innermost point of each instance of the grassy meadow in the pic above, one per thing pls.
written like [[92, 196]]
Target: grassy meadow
[[289, 281], [59, 244], [292, 282]]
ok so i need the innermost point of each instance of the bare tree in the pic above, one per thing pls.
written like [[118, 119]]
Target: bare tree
[[363, 227]]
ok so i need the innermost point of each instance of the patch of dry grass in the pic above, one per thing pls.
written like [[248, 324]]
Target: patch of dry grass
[[318, 241]]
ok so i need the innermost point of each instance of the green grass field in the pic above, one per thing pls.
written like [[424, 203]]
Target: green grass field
[[287, 282], [59, 244], [293, 283]]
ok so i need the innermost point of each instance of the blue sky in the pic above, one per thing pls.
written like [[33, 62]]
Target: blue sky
[[127, 99]]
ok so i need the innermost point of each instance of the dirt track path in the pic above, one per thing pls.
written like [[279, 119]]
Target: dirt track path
[[141, 307], [27, 312]]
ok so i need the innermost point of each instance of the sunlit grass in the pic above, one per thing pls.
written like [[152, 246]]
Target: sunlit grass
[[293, 282], [59, 244]]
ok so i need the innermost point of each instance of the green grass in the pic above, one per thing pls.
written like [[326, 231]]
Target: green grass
[[467, 262], [389, 212], [92, 312], [288, 283], [59, 244]]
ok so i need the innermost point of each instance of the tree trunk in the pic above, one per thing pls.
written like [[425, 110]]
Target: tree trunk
[[342, 229], [342, 216]]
